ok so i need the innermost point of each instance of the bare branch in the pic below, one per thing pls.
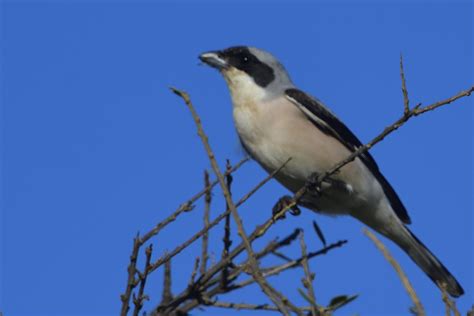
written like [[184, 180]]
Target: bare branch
[[193, 274], [292, 264], [167, 293], [281, 255], [141, 297], [132, 268], [226, 239], [449, 304], [406, 101], [207, 210], [272, 246], [434, 106], [266, 272], [187, 206], [244, 306], [406, 283], [217, 220], [309, 277]]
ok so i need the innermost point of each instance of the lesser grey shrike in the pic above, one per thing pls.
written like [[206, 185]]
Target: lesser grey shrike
[[276, 121]]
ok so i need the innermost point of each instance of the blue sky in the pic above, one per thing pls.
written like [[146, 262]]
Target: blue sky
[[96, 148]]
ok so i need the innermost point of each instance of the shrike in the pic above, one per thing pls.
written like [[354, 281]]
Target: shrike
[[276, 121]]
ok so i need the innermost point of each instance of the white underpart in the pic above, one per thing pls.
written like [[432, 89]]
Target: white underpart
[[274, 129]]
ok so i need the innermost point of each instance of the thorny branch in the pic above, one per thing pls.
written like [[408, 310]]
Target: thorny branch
[[203, 289]]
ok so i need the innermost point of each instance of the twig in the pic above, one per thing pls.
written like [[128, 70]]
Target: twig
[[281, 256], [216, 221], [226, 239], [193, 274], [309, 277], [272, 246], [258, 231], [266, 273], [289, 265], [406, 283], [244, 306], [406, 101], [277, 298], [465, 93], [167, 293], [235, 273], [138, 301], [207, 210], [132, 268], [449, 304], [187, 206], [445, 298]]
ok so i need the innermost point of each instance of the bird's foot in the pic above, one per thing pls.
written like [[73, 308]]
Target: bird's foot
[[313, 184], [283, 203]]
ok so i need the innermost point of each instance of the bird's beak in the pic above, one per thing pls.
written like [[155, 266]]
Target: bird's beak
[[214, 60]]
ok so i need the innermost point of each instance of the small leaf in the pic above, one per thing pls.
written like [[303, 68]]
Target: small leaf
[[339, 301], [319, 232]]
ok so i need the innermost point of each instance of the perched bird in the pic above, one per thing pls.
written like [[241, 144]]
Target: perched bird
[[276, 121]]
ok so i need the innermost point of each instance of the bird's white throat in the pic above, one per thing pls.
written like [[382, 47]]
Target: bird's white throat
[[243, 89]]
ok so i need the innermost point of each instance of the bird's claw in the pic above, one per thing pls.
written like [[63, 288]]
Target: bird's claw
[[313, 183], [283, 203]]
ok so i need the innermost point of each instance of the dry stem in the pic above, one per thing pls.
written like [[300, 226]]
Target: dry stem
[[406, 283]]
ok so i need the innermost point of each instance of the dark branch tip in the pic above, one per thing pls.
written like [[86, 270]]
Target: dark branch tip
[[180, 93]]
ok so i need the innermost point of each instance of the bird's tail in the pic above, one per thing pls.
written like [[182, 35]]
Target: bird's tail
[[427, 261]]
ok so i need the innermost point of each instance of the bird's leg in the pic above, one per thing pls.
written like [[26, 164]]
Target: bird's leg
[[313, 184], [286, 201]]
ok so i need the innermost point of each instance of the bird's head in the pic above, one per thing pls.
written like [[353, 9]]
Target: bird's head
[[249, 68]]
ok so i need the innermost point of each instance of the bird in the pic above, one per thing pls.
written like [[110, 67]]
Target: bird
[[276, 123]]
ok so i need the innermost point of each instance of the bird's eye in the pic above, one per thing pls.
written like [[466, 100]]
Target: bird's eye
[[245, 59]]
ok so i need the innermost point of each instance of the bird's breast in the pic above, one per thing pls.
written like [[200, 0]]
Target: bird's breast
[[273, 132], [268, 130]]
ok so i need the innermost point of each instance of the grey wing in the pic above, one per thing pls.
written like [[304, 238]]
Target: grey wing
[[323, 119]]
